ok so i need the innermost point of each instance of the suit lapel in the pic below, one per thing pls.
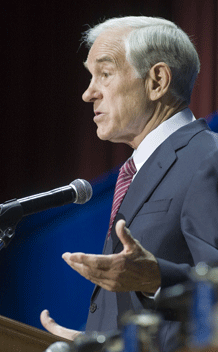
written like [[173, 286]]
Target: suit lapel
[[139, 191], [145, 182], [148, 178], [152, 172]]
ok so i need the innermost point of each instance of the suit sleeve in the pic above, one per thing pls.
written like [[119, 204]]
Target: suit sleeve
[[199, 222]]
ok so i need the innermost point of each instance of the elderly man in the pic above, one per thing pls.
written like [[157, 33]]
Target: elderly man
[[143, 70]]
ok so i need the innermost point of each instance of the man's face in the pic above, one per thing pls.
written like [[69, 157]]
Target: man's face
[[119, 98]]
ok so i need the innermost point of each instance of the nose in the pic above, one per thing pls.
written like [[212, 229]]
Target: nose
[[92, 93]]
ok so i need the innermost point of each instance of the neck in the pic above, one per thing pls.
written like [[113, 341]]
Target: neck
[[161, 113]]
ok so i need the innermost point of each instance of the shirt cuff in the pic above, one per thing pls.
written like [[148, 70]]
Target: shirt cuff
[[154, 296]]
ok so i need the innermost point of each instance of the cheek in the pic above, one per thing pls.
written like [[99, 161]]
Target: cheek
[[133, 95], [132, 105]]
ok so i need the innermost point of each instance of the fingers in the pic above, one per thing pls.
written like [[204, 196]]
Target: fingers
[[96, 263], [66, 256], [104, 270], [81, 261], [124, 234], [50, 325]]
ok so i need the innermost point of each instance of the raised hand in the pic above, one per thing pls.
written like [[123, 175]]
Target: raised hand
[[133, 269]]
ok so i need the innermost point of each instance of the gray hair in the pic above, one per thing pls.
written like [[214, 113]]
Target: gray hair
[[154, 40]]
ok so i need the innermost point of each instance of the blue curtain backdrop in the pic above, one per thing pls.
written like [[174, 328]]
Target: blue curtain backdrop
[[33, 274]]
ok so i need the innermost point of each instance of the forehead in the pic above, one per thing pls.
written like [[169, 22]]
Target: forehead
[[108, 47]]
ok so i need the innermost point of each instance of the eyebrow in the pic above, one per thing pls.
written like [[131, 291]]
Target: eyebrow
[[100, 60], [105, 58]]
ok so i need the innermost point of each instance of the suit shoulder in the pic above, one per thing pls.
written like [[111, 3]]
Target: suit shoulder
[[206, 140]]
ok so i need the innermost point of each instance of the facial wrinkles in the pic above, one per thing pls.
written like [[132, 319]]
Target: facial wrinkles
[[106, 46], [143, 114], [110, 43], [125, 88]]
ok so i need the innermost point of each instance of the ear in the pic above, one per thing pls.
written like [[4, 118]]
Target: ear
[[159, 80]]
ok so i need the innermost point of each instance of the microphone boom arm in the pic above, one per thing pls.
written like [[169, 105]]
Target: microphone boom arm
[[11, 213]]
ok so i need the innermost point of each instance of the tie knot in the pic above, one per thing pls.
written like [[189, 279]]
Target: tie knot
[[129, 167]]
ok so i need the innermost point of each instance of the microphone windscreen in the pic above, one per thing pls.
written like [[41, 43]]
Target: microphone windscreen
[[83, 190]]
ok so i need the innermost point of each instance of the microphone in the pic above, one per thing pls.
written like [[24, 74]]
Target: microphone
[[12, 211], [78, 191]]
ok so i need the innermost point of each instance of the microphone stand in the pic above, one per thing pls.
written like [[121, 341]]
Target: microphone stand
[[11, 213]]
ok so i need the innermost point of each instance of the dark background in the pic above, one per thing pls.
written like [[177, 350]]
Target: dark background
[[48, 137]]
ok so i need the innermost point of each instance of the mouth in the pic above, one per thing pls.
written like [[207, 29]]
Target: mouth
[[98, 115]]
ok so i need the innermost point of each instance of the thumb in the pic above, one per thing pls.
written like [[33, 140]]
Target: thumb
[[124, 234], [46, 321]]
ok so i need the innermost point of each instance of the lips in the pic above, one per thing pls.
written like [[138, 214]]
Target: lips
[[98, 113], [98, 116]]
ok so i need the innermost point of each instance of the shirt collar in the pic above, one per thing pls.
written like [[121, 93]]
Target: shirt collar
[[156, 137]]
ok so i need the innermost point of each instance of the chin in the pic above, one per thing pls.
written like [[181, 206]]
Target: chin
[[103, 136], [109, 135]]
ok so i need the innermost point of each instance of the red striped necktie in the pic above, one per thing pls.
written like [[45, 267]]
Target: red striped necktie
[[123, 182]]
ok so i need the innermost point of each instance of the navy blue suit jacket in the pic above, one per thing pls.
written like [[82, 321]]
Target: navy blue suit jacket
[[171, 207]]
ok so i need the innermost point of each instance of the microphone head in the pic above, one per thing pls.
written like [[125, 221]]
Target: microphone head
[[83, 190]]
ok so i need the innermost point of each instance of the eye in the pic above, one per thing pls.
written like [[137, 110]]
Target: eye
[[105, 74]]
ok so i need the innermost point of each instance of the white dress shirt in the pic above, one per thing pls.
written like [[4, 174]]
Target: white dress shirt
[[156, 137]]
